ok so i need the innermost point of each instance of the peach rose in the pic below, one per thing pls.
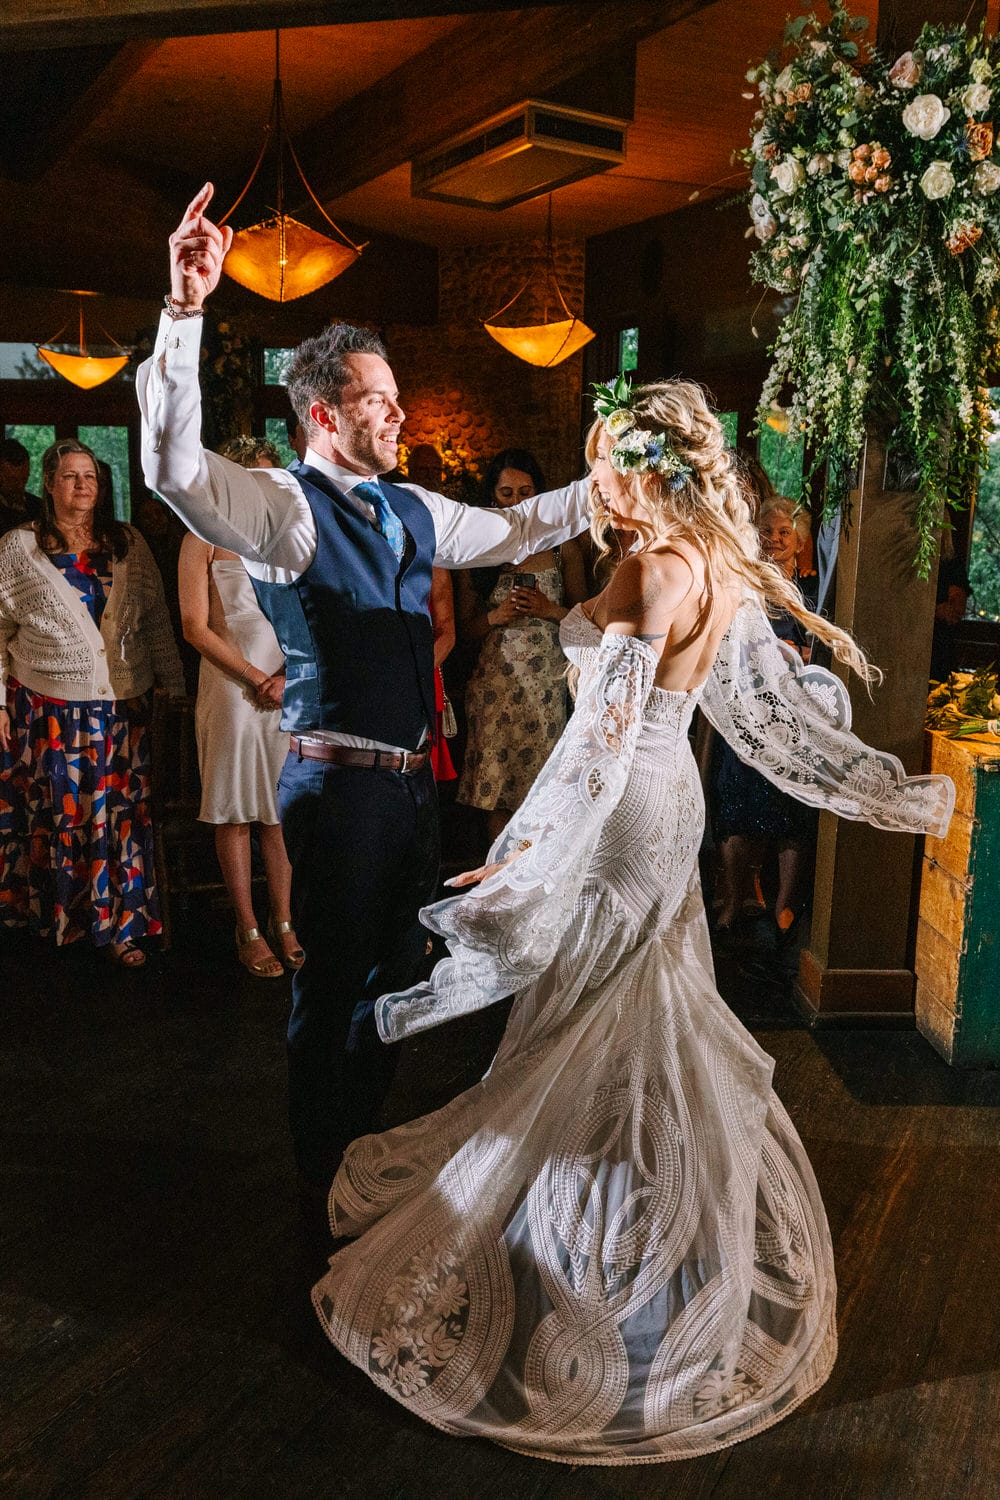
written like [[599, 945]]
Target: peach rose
[[905, 71]]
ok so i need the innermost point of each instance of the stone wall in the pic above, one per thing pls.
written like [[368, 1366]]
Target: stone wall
[[462, 391]]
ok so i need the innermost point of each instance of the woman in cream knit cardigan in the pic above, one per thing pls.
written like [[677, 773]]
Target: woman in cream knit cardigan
[[84, 637]]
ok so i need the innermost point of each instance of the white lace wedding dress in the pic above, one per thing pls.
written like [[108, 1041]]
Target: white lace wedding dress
[[611, 1250]]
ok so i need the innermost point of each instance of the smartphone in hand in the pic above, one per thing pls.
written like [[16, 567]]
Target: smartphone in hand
[[522, 580]]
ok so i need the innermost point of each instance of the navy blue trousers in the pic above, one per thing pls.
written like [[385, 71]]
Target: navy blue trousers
[[364, 850]]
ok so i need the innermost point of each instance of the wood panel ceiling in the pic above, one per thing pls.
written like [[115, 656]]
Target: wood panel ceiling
[[101, 143]]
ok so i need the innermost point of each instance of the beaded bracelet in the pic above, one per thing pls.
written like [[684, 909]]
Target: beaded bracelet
[[174, 309]]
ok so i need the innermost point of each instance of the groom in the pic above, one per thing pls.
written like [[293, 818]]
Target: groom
[[341, 564]]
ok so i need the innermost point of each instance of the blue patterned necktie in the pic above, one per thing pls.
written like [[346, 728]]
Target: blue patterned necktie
[[386, 518]]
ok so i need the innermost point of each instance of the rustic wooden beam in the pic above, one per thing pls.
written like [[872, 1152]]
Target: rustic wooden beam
[[55, 97], [488, 63], [29, 24]]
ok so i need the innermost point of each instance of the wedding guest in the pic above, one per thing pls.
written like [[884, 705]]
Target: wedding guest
[[296, 438], [751, 816], [951, 602], [84, 636], [442, 607], [516, 700], [17, 503], [241, 747], [424, 466]]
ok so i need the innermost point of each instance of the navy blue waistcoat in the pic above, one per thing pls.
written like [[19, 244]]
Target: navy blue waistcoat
[[356, 627]]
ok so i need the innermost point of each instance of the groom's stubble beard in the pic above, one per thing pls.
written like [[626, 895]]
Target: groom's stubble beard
[[358, 444]]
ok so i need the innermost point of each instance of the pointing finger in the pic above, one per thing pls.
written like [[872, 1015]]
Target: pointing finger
[[199, 202]]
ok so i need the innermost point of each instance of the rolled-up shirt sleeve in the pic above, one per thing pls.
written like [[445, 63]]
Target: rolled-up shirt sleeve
[[468, 535], [247, 511]]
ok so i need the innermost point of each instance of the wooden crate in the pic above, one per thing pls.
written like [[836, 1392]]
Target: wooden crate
[[958, 929]]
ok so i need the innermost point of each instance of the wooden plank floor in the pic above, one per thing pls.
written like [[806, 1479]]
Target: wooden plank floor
[[155, 1334]]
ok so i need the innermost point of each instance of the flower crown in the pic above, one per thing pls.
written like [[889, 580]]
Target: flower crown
[[634, 449]]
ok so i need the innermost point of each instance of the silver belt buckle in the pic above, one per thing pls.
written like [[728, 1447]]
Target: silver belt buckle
[[406, 768]]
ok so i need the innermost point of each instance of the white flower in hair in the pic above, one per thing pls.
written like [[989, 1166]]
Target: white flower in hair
[[618, 422]]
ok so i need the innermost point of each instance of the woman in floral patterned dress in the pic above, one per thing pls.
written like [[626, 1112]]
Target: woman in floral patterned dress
[[516, 700], [84, 635]]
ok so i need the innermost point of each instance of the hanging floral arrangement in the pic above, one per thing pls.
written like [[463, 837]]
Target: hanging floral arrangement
[[875, 195]]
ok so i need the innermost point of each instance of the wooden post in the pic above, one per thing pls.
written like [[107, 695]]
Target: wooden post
[[859, 957], [860, 954]]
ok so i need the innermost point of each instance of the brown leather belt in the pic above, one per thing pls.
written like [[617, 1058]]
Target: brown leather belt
[[407, 761]]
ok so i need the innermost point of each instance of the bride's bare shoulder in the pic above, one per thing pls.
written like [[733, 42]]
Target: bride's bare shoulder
[[649, 582]]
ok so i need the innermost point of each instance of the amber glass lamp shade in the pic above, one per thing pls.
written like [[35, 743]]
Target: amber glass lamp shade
[[543, 344], [282, 259], [84, 370]]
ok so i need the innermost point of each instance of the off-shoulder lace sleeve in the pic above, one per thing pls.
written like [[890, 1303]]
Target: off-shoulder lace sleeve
[[503, 934], [792, 723]]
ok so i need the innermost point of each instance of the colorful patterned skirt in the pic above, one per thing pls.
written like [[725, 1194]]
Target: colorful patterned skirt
[[76, 841]]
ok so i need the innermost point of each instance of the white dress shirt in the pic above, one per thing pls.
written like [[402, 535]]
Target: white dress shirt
[[263, 515]]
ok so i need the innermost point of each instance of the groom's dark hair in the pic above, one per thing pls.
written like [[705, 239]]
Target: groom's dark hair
[[316, 370]]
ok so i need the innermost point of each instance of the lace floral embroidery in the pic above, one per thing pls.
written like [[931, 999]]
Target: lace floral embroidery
[[422, 1320]]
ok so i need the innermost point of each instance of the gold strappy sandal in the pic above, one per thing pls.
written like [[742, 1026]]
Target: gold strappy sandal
[[276, 931], [263, 968]]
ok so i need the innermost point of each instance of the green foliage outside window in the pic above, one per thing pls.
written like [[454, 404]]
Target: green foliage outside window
[[276, 432], [36, 440], [782, 458], [628, 349], [111, 444], [984, 555], [275, 365]]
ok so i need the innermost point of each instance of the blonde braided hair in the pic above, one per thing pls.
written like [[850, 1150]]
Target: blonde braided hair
[[713, 509]]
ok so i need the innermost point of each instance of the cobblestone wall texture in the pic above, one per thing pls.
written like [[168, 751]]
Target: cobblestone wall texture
[[461, 390]]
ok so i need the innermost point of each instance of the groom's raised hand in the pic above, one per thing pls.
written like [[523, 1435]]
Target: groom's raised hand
[[197, 249]]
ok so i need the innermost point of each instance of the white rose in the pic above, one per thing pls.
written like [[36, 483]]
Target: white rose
[[784, 79], [976, 98], [925, 115], [789, 175], [937, 181], [986, 178], [764, 222], [981, 70], [819, 165], [618, 422]]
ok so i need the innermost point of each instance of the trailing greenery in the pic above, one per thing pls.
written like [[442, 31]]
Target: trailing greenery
[[874, 196]]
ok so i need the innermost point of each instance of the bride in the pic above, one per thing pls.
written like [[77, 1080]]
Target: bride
[[612, 1250]]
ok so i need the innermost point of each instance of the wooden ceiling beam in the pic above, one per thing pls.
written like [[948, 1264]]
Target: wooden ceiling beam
[[27, 25], [56, 96], [485, 65]]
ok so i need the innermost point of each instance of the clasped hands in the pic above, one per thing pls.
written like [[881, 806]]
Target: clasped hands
[[270, 692], [520, 602]]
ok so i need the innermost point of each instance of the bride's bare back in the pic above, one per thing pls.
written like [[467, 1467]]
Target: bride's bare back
[[671, 599]]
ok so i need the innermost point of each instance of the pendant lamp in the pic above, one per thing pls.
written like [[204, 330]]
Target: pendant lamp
[[280, 257], [83, 369], [545, 344]]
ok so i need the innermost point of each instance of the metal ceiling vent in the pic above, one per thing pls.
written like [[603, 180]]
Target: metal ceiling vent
[[527, 150]]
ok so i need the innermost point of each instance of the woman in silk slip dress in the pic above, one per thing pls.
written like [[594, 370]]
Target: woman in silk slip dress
[[613, 1250]]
